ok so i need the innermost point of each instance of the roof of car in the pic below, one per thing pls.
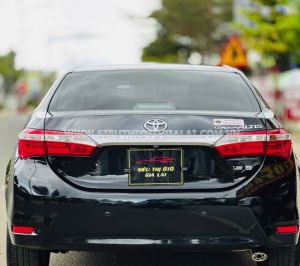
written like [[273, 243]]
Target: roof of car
[[146, 66]]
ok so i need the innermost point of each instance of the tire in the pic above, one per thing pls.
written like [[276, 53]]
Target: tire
[[19, 256], [282, 256]]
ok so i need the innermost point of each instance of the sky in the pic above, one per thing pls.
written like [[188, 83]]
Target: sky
[[62, 34]]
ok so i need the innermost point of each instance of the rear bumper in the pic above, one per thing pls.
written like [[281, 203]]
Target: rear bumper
[[67, 218], [89, 224]]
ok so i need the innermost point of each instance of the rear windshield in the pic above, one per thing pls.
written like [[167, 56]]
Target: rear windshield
[[154, 90]]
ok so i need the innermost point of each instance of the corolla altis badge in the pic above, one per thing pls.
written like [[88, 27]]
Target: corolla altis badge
[[155, 125]]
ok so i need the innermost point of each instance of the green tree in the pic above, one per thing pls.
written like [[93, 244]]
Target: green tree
[[187, 26], [48, 79], [274, 31], [8, 71]]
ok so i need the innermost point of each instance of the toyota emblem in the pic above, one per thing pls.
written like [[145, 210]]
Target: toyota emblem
[[155, 125]]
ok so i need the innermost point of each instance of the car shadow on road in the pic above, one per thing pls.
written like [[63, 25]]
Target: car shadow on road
[[152, 258]]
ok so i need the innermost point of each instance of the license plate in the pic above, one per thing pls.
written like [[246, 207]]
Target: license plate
[[155, 167]]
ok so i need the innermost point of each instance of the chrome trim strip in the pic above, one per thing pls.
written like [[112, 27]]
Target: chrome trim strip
[[153, 112], [32, 234], [193, 241], [182, 140]]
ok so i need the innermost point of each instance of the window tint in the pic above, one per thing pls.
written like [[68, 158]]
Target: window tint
[[154, 90]]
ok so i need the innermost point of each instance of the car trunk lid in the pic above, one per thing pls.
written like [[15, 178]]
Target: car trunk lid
[[120, 139]]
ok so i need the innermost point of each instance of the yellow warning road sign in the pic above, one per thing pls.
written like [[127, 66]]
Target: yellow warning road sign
[[234, 53]]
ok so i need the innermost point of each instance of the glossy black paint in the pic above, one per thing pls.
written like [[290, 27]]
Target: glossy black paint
[[205, 170], [105, 169], [71, 214], [70, 218]]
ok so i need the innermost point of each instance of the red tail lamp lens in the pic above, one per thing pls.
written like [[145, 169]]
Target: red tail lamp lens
[[37, 142], [25, 230], [275, 143], [289, 229]]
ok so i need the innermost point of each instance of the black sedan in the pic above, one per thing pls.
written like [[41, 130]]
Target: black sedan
[[153, 156]]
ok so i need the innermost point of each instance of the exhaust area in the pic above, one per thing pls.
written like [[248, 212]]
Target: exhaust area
[[259, 256]]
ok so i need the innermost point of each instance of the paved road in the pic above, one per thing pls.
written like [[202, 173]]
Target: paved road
[[9, 127]]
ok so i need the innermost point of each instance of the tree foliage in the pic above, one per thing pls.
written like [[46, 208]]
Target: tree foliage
[[187, 26], [8, 70], [274, 29]]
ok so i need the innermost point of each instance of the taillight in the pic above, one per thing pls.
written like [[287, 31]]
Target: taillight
[[68, 143], [275, 142], [37, 142], [31, 143], [279, 143]]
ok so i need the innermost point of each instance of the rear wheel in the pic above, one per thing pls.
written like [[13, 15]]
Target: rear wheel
[[282, 256], [19, 256]]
